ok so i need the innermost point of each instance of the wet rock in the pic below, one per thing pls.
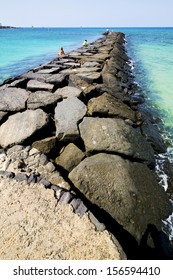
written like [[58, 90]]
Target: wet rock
[[114, 135], [137, 98], [67, 115], [123, 189], [21, 126], [151, 133]]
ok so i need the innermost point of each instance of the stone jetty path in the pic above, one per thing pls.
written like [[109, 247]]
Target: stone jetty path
[[77, 159]]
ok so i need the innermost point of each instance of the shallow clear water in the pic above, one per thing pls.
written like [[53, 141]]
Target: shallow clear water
[[152, 51]]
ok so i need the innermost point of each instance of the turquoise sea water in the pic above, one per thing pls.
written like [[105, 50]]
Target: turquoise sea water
[[151, 49], [24, 48]]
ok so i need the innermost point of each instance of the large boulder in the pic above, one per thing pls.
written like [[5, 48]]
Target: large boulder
[[42, 99], [151, 133], [80, 70], [68, 113], [68, 91], [108, 105], [13, 99], [57, 79], [34, 85], [114, 135], [21, 126], [90, 77], [127, 191]]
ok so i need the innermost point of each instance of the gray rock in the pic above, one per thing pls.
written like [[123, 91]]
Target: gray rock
[[18, 82], [68, 91], [13, 99], [36, 76], [42, 99], [65, 198], [70, 157], [21, 177], [45, 183], [127, 191], [76, 81], [81, 209], [56, 79], [90, 77], [75, 203], [80, 70], [6, 174], [99, 57], [34, 85], [90, 64], [21, 126], [32, 178], [114, 135], [68, 113], [49, 71]]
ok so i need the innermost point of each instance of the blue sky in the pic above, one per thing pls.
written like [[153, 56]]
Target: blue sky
[[87, 13]]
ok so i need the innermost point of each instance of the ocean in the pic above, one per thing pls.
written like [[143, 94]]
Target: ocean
[[150, 49]]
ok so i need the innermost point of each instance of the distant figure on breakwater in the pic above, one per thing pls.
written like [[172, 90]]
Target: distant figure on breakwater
[[106, 32], [61, 52], [85, 43]]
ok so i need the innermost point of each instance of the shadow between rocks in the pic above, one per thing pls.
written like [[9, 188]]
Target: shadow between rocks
[[161, 249]]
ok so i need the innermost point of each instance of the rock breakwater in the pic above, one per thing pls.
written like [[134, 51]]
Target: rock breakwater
[[76, 124]]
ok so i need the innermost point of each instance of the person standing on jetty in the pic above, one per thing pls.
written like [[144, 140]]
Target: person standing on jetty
[[85, 43], [61, 52]]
